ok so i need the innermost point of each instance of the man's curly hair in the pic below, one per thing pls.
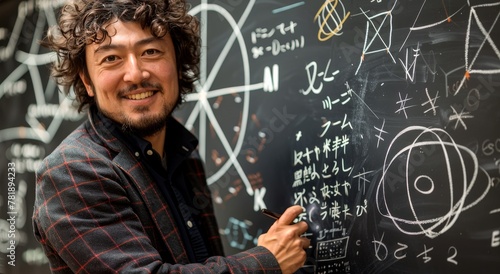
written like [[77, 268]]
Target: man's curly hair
[[83, 22]]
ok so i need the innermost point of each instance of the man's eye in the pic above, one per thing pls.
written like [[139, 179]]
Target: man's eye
[[150, 52], [110, 58]]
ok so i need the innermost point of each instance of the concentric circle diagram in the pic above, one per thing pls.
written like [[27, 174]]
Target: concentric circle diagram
[[221, 90], [428, 181]]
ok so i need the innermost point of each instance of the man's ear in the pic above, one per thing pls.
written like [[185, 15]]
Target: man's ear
[[87, 83]]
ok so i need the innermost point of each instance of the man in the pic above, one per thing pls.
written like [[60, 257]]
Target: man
[[125, 191]]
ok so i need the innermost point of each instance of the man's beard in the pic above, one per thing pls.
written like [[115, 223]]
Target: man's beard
[[147, 126]]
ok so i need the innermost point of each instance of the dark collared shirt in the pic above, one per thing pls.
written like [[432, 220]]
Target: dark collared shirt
[[179, 144]]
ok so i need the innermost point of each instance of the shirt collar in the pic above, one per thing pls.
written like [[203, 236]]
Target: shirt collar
[[179, 142]]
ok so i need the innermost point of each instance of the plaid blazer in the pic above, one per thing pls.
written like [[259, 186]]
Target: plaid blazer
[[97, 210]]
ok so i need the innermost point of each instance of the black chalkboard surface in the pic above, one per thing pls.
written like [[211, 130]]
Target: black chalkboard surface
[[379, 117]]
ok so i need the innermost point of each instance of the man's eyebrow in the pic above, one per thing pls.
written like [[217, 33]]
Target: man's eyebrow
[[107, 47], [142, 42]]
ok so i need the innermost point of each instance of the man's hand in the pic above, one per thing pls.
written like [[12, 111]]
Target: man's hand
[[284, 241]]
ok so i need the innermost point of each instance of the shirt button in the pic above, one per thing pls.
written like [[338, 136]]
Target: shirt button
[[136, 154], [189, 224], [149, 152]]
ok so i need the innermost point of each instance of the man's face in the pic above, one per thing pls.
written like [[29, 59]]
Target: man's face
[[133, 77]]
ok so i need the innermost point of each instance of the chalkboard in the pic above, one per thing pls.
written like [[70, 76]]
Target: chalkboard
[[379, 117], [34, 118]]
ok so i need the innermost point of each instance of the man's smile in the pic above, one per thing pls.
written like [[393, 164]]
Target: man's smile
[[140, 96]]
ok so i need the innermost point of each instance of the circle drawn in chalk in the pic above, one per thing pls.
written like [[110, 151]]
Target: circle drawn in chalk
[[422, 204], [418, 184], [205, 112]]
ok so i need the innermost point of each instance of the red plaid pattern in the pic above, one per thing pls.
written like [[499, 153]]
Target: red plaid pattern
[[97, 210]]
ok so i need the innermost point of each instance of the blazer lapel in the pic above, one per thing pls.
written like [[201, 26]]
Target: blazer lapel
[[154, 201], [147, 189]]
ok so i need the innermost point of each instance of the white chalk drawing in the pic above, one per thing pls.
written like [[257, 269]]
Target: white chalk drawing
[[431, 102], [380, 132], [409, 67], [386, 41], [459, 117], [350, 91], [402, 105], [476, 22], [203, 112], [30, 65], [413, 27], [362, 180], [450, 86], [457, 161]]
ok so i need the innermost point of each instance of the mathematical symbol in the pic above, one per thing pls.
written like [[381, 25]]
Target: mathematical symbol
[[460, 117], [257, 52], [403, 106], [425, 255], [298, 136], [410, 68], [432, 102], [381, 130]]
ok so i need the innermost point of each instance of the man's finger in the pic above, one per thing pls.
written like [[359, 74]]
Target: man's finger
[[290, 214]]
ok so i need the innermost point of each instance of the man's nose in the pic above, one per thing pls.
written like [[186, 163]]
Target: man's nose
[[135, 71]]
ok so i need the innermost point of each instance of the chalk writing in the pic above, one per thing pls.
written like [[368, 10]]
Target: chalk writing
[[383, 252], [322, 76], [259, 35], [332, 249], [495, 238], [393, 155]]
